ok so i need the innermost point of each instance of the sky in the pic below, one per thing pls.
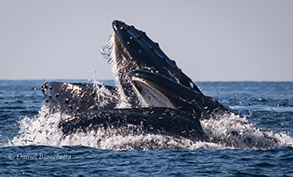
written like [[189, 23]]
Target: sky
[[209, 40]]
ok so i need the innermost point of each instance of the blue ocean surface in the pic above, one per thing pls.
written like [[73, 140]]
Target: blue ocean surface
[[32, 145]]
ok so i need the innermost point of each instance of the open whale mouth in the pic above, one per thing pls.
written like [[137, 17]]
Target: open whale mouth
[[151, 93], [158, 90], [146, 73], [133, 51]]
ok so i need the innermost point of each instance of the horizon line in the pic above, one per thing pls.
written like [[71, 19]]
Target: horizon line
[[113, 80]]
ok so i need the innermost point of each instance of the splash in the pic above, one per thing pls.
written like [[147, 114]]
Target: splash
[[108, 52], [41, 130], [228, 132], [104, 94], [232, 131]]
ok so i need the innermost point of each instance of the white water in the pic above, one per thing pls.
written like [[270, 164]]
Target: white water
[[108, 53], [102, 93], [230, 131]]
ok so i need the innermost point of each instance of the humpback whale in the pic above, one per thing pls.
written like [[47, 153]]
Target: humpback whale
[[161, 98]]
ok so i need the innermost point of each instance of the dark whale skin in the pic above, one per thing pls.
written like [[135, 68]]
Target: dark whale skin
[[162, 121]]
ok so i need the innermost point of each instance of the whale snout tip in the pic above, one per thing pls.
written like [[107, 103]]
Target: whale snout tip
[[117, 24]]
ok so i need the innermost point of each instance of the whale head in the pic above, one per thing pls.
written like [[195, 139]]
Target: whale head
[[147, 72], [133, 50]]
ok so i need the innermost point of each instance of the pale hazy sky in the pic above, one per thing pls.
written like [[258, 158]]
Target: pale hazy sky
[[210, 40]]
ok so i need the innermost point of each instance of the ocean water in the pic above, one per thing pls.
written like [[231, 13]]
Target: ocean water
[[32, 145]]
